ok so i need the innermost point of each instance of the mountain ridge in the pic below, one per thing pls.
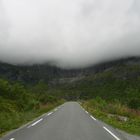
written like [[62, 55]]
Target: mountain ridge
[[31, 74]]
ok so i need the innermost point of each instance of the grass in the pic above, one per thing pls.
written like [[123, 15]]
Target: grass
[[118, 86], [19, 104], [101, 110], [13, 120]]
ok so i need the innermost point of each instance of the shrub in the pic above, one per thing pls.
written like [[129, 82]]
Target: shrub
[[134, 103]]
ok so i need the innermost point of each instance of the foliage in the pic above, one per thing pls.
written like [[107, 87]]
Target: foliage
[[19, 105], [110, 112], [113, 91], [134, 103]]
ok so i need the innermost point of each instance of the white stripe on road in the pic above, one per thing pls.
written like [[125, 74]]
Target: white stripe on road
[[35, 123], [93, 118], [12, 138], [49, 113], [40, 120], [111, 133], [86, 112]]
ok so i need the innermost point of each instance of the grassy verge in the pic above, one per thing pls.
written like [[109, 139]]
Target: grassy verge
[[19, 104], [112, 113], [10, 121]]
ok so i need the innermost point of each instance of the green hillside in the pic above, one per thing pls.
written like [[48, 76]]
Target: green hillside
[[120, 82], [110, 93], [18, 105]]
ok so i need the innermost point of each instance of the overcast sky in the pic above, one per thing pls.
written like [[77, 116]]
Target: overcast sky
[[68, 33]]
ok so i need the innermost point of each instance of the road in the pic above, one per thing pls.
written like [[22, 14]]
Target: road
[[67, 122]]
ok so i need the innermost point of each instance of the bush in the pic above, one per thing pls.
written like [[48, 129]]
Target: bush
[[134, 103], [118, 108], [98, 103]]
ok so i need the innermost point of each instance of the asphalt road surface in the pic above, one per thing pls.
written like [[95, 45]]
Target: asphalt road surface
[[67, 122]]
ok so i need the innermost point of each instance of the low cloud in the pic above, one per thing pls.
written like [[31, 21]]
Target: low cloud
[[69, 34]]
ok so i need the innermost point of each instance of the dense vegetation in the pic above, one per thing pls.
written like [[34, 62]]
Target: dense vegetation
[[115, 91], [19, 105], [31, 74], [115, 113], [109, 92], [118, 83]]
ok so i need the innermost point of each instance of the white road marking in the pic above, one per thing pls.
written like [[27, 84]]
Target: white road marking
[[12, 138], [86, 112], [82, 108], [111, 133], [49, 113], [93, 118], [35, 123]]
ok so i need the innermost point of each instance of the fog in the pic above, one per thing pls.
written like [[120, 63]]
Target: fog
[[68, 33]]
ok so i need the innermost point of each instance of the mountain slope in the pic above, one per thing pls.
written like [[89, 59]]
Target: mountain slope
[[107, 88], [31, 74]]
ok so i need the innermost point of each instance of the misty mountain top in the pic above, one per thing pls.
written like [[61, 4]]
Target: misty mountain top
[[68, 34], [30, 74]]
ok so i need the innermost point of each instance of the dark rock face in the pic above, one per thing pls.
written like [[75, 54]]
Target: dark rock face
[[34, 73]]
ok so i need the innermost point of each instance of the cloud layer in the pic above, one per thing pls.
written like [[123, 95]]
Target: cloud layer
[[75, 33]]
